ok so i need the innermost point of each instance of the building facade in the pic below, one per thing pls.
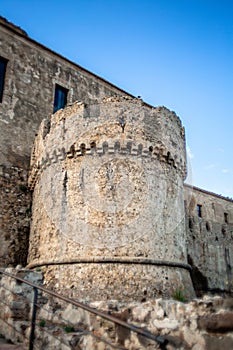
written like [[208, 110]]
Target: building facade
[[209, 227], [104, 148], [34, 82]]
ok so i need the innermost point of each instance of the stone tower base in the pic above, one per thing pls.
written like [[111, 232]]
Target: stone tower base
[[97, 281]]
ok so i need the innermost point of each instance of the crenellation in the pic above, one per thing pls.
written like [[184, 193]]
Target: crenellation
[[99, 150], [154, 152]]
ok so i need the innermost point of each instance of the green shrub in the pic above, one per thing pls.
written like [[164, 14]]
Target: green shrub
[[42, 323], [179, 295], [69, 329]]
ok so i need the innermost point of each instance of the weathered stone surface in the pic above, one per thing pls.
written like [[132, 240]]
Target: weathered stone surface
[[222, 322], [15, 216], [31, 76], [209, 241], [108, 201], [16, 303], [217, 343], [166, 323], [12, 347], [61, 326], [74, 315]]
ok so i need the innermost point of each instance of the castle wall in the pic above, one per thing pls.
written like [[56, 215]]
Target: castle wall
[[108, 200], [31, 75], [210, 239], [99, 137], [15, 216]]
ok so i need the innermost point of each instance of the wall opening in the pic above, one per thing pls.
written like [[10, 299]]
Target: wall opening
[[190, 224], [60, 98], [207, 226], [199, 210], [3, 64], [226, 218], [83, 148]]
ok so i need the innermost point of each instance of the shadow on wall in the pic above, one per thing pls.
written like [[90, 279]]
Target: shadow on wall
[[200, 282]]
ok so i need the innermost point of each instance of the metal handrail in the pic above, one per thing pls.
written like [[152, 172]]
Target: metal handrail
[[159, 339], [38, 306]]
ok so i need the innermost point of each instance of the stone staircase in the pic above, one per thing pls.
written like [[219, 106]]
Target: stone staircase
[[5, 345]]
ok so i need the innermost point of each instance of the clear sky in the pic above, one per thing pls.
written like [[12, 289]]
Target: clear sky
[[176, 53]]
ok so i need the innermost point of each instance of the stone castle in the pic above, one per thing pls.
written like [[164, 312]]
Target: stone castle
[[110, 216]]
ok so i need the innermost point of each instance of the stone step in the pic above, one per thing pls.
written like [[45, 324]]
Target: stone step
[[4, 345], [12, 347]]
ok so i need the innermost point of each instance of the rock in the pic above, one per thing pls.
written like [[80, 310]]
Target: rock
[[140, 313], [222, 322], [217, 343], [166, 323], [75, 315]]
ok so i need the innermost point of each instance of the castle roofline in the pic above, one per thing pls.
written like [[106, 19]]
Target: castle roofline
[[11, 26], [208, 192], [20, 32]]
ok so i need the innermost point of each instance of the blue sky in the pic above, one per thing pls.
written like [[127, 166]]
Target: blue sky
[[176, 53]]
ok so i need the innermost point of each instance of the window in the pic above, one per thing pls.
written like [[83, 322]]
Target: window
[[3, 63], [60, 98], [199, 211], [226, 218]]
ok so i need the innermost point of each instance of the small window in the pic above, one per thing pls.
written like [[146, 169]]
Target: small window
[[60, 98], [199, 210], [226, 218], [3, 63]]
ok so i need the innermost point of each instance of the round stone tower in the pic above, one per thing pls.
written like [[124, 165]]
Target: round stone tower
[[108, 209]]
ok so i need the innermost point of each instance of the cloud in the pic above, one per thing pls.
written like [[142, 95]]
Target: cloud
[[225, 171], [189, 153], [210, 166]]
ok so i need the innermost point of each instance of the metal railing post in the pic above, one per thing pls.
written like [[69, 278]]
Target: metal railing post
[[33, 319], [160, 339]]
